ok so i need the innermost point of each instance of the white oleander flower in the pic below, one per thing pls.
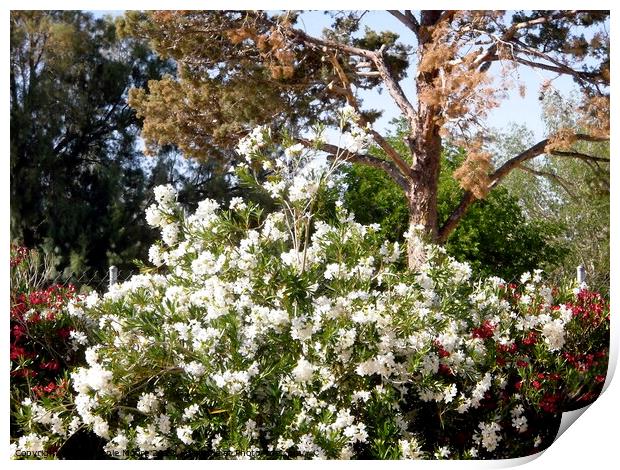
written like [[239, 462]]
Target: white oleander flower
[[195, 369], [303, 371], [489, 434], [32, 443], [184, 433], [156, 255], [148, 403], [154, 216], [410, 449], [170, 234], [356, 432], [553, 332], [191, 411], [165, 195], [237, 203]]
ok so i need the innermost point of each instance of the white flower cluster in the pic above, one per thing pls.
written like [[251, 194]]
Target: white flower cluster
[[32, 443], [253, 142], [410, 449], [358, 139], [209, 288], [519, 422], [553, 331], [489, 435], [286, 332], [303, 371], [53, 421]]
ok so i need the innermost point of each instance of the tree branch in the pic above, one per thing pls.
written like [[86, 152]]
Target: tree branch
[[391, 84], [299, 35], [579, 155], [404, 168], [407, 19], [392, 153], [552, 176], [507, 167], [500, 173], [394, 89], [509, 38], [540, 20], [468, 198], [337, 152], [372, 73], [455, 217], [559, 68], [534, 151]]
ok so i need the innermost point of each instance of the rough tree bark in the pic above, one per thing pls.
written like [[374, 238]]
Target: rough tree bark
[[425, 145]]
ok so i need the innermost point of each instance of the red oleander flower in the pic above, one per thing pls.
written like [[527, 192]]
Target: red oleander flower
[[34, 318], [485, 331], [20, 253], [25, 372], [587, 396], [509, 348], [64, 332], [441, 350], [18, 352], [445, 370], [17, 332], [531, 338], [52, 365], [549, 403], [19, 308], [589, 306]]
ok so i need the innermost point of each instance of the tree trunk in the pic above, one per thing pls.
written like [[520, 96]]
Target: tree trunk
[[425, 146], [422, 201]]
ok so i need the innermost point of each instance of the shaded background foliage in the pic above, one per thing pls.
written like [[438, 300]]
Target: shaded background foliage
[[573, 194], [79, 178], [77, 182]]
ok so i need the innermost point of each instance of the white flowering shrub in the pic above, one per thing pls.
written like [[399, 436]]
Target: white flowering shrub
[[282, 336]]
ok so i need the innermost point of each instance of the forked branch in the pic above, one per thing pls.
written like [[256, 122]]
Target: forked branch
[[500, 173]]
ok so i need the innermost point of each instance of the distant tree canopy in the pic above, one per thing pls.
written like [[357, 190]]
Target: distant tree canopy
[[77, 184], [572, 192], [237, 69]]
